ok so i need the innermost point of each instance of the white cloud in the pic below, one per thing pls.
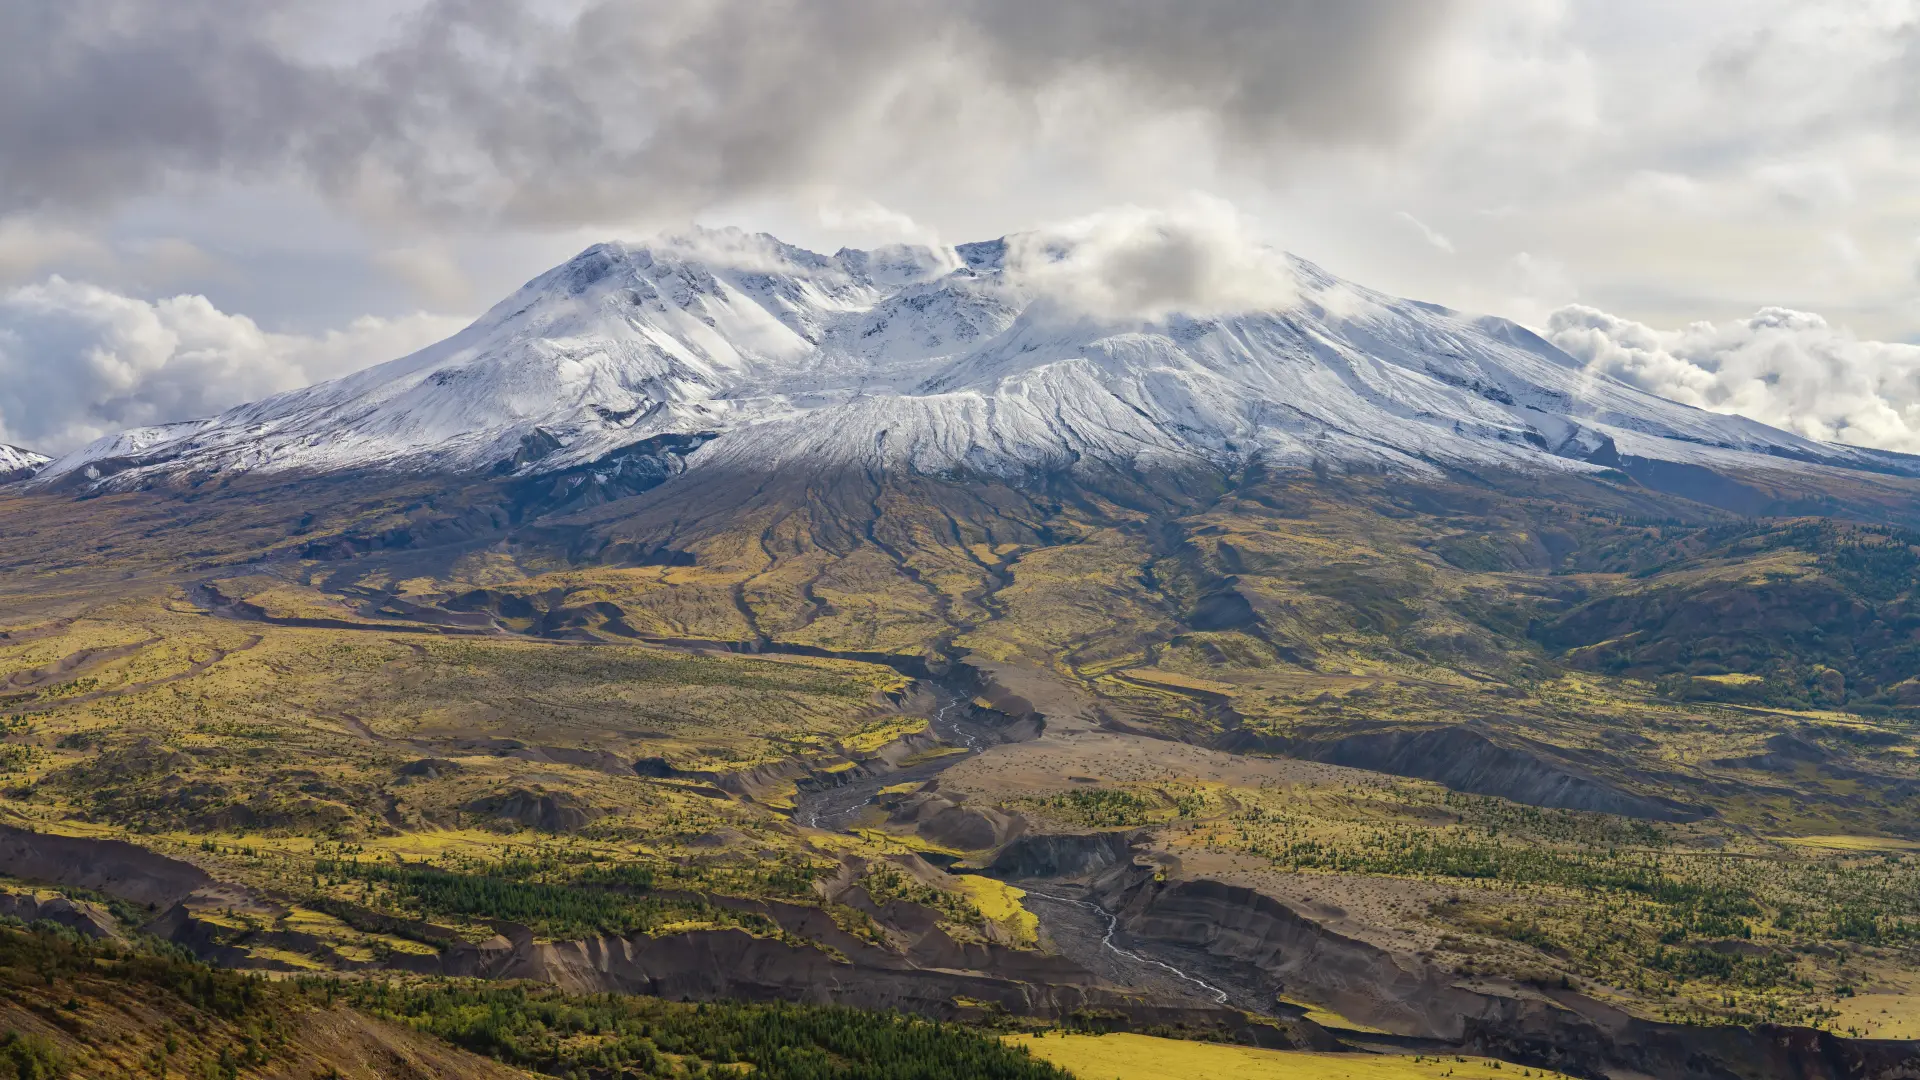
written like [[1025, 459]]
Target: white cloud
[[1426, 232], [872, 224], [1674, 161], [431, 274], [1787, 368], [78, 361], [28, 248], [1809, 188], [1197, 256]]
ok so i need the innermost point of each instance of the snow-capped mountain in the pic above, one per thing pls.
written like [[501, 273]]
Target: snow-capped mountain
[[941, 361], [16, 463]]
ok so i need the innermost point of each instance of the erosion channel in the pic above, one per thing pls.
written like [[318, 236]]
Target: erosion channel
[[1079, 929]]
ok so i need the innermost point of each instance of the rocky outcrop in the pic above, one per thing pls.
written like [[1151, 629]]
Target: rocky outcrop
[[554, 812], [1550, 1028], [88, 918], [949, 822], [114, 867], [1051, 855], [1293, 953], [1466, 760], [732, 964]]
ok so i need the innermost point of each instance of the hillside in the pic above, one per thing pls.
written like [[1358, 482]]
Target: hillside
[[70, 1006], [75, 1006], [865, 628]]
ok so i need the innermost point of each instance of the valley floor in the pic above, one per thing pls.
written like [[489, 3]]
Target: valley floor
[[1289, 778]]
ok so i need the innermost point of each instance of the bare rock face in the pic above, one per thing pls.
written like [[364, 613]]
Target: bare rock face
[[110, 866], [1553, 1028], [1466, 760], [555, 812], [1065, 855], [90, 919], [950, 823]]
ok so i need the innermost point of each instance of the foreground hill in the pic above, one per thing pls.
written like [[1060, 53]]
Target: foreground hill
[[71, 1005]]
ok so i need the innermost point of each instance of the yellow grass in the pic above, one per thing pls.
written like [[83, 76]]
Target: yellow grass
[[1177, 681], [1329, 1018], [878, 736], [1127, 1056], [348, 942], [317, 923], [295, 960], [1879, 1016], [1850, 843], [925, 756], [903, 842], [684, 926], [1000, 902]]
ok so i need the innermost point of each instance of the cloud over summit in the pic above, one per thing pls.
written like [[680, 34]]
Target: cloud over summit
[[1196, 257]]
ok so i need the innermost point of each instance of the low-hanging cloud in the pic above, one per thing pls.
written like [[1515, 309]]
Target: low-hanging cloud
[[1787, 368], [1196, 257], [78, 361], [500, 110]]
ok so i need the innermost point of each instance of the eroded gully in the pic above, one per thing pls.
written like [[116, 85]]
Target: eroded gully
[[1079, 929], [834, 808]]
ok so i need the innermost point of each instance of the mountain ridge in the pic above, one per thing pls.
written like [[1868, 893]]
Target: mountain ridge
[[18, 461], [963, 360]]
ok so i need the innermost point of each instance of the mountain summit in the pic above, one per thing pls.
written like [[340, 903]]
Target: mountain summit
[[985, 358], [16, 462]]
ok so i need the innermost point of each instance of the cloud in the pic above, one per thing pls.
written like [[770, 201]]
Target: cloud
[[27, 247], [503, 110], [873, 223], [1195, 257], [78, 361], [431, 273], [1787, 368], [1427, 233]]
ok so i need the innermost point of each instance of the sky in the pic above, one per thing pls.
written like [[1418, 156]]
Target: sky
[[205, 201]]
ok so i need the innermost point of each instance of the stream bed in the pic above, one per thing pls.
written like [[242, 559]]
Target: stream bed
[[1080, 930], [835, 808]]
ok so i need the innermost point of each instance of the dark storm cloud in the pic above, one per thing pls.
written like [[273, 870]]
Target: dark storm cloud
[[490, 109], [102, 98]]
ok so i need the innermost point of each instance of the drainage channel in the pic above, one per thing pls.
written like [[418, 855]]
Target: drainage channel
[[1080, 929], [1128, 956], [835, 808]]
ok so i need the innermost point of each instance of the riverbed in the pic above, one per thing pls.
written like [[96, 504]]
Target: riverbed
[[1079, 929]]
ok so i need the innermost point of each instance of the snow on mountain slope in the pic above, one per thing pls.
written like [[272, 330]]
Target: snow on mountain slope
[[15, 462], [910, 358]]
